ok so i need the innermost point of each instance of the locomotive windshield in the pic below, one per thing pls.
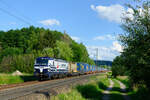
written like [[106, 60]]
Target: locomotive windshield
[[42, 61]]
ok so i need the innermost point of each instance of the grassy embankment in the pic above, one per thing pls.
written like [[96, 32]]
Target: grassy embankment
[[94, 89], [91, 90], [10, 79]]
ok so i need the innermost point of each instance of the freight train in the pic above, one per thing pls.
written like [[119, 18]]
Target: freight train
[[48, 68]]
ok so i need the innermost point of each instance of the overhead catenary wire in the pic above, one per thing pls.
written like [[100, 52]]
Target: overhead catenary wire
[[14, 9], [22, 18], [11, 14]]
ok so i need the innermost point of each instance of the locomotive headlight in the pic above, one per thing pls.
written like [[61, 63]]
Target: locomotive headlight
[[49, 70], [41, 70]]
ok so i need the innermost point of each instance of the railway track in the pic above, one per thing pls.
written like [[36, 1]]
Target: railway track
[[2, 87], [16, 92]]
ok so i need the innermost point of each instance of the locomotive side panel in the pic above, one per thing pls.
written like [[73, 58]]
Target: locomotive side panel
[[61, 65]]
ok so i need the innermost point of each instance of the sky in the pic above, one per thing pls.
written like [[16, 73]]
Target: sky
[[95, 23]]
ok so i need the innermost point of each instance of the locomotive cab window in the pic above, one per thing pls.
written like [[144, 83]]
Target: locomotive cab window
[[42, 61]]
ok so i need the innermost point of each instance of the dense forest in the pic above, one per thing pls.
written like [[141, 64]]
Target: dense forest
[[20, 47]]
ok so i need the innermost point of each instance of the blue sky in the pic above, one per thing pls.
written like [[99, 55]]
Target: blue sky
[[95, 23]]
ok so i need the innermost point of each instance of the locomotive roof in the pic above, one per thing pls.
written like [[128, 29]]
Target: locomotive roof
[[45, 58], [60, 60], [49, 58]]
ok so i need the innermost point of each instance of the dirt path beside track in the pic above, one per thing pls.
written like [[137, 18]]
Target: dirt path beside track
[[123, 89], [107, 91]]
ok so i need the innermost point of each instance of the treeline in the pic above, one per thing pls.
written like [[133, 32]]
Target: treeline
[[20, 47], [134, 61], [103, 63]]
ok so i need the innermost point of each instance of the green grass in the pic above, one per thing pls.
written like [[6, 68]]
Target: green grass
[[116, 86], [90, 91], [10, 79], [73, 95], [139, 92], [93, 90], [93, 77], [103, 83]]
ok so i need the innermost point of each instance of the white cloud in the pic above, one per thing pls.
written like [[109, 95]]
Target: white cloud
[[117, 46], [105, 53], [105, 37], [112, 13], [77, 39], [50, 22]]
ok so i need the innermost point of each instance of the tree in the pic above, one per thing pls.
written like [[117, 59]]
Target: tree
[[80, 53], [10, 51], [48, 52], [136, 42], [76, 51], [118, 66], [63, 51], [12, 39]]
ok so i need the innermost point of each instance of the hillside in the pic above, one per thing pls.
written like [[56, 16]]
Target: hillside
[[19, 48], [103, 62]]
